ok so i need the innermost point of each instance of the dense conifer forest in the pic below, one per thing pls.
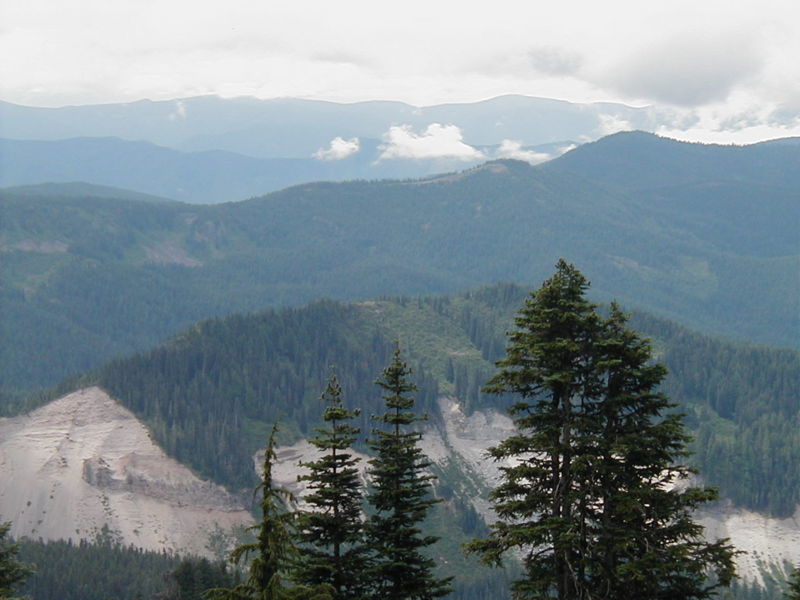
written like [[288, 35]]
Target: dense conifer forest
[[92, 275], [87, 276], [202, 389], [104, 570], [223, 382]]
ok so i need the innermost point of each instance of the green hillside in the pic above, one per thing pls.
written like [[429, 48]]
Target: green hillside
[[87, 277], [641, 161], [223, 382], [718, 193]]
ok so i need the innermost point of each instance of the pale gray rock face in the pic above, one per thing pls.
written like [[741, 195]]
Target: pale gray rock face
[[83, 462], [460, 444]]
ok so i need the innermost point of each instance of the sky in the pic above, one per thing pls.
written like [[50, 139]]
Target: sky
[[732, 68]]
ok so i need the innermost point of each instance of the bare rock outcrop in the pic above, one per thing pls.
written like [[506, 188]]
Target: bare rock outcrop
[[83, 462]]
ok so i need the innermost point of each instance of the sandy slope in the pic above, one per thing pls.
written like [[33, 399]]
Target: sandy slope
[[84, 461]]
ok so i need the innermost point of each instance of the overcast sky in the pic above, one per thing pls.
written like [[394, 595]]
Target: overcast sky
[[735, 64]]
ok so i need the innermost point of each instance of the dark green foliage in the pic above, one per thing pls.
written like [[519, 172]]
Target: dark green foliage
[[647, 543], [97, 570], [269, 558], [110, 275], [541, 502], [209, 395], [219, 384], [742, 407], [12, 571], [193, 577], [793, 585], [331, 532], [592, 499], [400, 496]]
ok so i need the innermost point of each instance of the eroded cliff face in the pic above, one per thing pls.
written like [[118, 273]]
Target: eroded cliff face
[[83, 461], [458, 445]]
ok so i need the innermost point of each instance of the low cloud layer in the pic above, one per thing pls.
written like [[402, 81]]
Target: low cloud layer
[[610, 124], [338, 149], [437, 141], [179, 112], [513, 149]]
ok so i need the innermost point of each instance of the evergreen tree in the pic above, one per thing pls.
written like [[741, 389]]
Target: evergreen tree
[[274, 549], [331, 533], [400, 497], [589, 496], [192, 577], [793, 585], [645, 542], [12, 572]]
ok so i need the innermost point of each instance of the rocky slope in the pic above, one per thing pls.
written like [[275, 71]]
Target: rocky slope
[[83, 461], [458, 445]]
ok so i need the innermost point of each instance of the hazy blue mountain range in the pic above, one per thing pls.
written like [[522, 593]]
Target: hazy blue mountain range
[[640, 161], [81, 189], [740, 198], [294, 128], [200, 177], [89, 277]]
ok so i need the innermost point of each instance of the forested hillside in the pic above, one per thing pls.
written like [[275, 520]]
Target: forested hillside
[[88, 277], [102, 569], [222, 383]]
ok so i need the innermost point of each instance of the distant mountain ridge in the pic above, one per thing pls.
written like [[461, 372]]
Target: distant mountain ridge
[[203, 177], [107, 276], [80, 189], [643, 161], [296, 128], [719, 193]]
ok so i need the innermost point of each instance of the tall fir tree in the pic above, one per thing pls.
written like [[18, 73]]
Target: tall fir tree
[[332, 549], [401, 497], [12, 571], [589, 497], [272, 554], [645, 541]]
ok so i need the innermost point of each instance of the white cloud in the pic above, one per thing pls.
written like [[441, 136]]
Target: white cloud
[[613, 124], [513, 149], [720, 126], [437, 141], [338, 149], [564, 150], [179, 112]]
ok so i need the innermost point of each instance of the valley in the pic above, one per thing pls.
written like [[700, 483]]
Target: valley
[[107, 275], [149, 345]]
